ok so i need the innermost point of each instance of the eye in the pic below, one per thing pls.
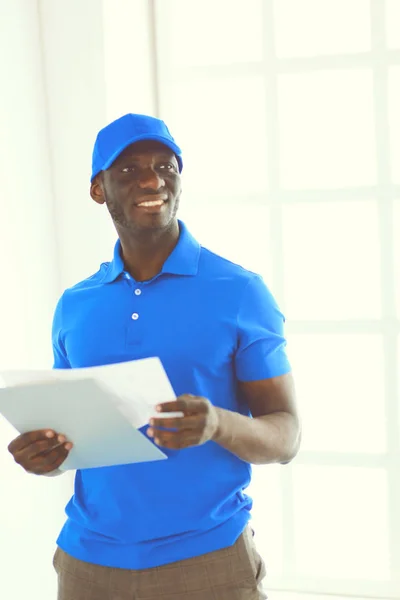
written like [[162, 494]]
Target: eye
[[166, 166], [128, 169]]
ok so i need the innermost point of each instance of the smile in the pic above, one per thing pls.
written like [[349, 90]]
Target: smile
[[152, 203]]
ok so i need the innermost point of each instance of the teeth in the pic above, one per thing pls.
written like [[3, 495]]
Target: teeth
[[153, 203]]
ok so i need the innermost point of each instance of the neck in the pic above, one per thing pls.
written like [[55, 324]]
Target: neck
[[145, 253]]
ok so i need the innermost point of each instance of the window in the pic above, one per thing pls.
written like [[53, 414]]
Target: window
[[288, 115]]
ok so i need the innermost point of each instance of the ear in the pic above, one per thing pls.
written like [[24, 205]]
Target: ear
[[97, 189]]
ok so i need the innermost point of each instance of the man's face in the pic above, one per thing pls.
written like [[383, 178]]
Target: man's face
[[141, 188]]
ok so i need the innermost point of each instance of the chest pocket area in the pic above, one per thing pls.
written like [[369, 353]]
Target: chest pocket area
[[199, 340], [97, 333]]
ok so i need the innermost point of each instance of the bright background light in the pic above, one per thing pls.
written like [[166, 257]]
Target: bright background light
[[288, 116]]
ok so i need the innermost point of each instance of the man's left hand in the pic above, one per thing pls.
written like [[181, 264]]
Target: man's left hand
[[198, 425]]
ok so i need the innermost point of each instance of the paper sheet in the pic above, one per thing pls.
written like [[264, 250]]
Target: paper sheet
[[137, 386], [85, 412], [99, 409]]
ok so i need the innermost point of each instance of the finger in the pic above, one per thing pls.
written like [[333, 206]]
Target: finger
[[37, 448], [40, 454], [174, 439], [34, 450], [178, 423], [45, 463], [61, 441], [26, 439], [177, 440], [186, 403]]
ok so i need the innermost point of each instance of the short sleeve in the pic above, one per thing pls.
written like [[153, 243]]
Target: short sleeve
[[59, 353], [261, 345]]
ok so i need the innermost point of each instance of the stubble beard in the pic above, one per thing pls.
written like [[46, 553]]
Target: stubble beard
[[120, 220]]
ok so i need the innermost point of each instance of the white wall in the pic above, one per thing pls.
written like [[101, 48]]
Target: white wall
[[66, 69], [63, 67], [30, 510], [73, 63]]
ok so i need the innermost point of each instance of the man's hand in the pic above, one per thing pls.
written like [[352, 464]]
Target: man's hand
[[198, 425], [40, 452]]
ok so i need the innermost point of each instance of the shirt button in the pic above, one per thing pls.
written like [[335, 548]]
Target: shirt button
[[135, 316], [138, 292]]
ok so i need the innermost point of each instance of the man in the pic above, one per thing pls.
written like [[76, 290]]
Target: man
[[176, 528]]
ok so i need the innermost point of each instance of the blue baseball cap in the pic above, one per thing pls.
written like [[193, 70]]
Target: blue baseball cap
[[127, 130]]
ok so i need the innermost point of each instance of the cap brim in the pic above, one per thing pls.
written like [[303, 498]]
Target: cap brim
[[140, 138]]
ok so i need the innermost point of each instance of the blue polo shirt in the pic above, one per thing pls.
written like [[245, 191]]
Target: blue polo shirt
[[211, 323]]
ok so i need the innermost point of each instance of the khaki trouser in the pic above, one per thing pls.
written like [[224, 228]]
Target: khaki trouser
[[234, 573]]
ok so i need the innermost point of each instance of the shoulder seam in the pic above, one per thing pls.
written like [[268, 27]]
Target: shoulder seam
[[253, 277], [88, 279]]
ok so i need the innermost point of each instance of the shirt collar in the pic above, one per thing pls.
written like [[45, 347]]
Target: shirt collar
[[183, 260]]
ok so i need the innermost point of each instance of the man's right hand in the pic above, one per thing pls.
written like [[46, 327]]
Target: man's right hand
[[40, 452]]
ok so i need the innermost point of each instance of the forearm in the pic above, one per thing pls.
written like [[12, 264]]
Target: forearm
[[273, 438]]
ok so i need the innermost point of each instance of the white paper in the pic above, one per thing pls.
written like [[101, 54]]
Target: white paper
[[84, 410], [137, 386]]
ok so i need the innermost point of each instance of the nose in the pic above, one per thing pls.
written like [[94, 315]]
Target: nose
[[150, 179]]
